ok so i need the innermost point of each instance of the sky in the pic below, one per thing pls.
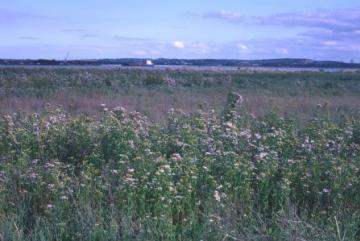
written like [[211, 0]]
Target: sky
[[222, 29]]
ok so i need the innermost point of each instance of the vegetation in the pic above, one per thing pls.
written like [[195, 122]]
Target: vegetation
[[226, 169], [153, 92], [285, 62], [198, 176]]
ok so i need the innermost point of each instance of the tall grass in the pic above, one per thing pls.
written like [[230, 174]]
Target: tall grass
[[198, 176], [153, 92]]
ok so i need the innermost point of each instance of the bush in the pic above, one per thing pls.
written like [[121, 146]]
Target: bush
[[198, 177]]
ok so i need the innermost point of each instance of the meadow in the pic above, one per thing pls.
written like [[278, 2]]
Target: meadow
[[153, 92], [108, 155]]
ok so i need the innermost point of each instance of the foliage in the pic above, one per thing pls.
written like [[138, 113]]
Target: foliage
[[197, 177]]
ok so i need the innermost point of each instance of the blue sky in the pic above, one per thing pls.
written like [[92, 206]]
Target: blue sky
[[231, 29]]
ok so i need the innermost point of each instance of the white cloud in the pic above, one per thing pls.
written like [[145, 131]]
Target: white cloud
[[330, 43], [224, 15], [282, 50], [242, 46], [340, 20], [200, 48], [179, 44]]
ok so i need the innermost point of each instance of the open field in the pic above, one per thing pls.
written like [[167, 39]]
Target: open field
[[226, 169], [154, 92]]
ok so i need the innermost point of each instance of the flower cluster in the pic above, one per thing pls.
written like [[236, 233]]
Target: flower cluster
[[120, 172]]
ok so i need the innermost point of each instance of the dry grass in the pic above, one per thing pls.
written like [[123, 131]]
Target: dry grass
[[156, 103], [154, 92]]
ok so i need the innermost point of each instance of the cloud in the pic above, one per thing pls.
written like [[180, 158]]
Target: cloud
[[328, 30], [179, 44], [242, 46], [28, 38], [91, 35], [200, 48], [73, 30], [255, 49], [126, 38], [121, 38], [282, 50], [320, 34], [340, 20], [8, 16], [225, 15], [326, 34]]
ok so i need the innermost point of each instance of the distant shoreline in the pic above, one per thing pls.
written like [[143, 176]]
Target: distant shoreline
[[186, 67], [188, 63]]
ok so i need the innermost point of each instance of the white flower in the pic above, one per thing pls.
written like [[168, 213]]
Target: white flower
[[49, 206], [258, 136], [64, 197], [262, 155], [167, 167], [326, 190], [176, 157], [229, 125], [217, 196]]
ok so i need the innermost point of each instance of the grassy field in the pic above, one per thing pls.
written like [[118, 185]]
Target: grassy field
[[154, 92], [225, 170]]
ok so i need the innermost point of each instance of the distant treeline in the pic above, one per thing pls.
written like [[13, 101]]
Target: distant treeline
[[295, 63]]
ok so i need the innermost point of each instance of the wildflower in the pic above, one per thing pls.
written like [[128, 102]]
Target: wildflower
[[119, 109], [166, 167], [229, 125], [176, 157], [64, 197], [217, 196], [290, 161], [49, 165], [50, 206], [258, 136], [23, 191], [35, 161], [326, 190], [262, 155], [246, 133]]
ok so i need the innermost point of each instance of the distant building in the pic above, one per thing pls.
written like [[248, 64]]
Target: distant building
[[149, 63], [139, 63]]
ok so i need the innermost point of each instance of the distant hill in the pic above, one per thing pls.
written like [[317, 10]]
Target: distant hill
[[293, 63]]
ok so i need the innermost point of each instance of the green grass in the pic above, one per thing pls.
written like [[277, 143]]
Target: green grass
[[44, 82], [199, 176]]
